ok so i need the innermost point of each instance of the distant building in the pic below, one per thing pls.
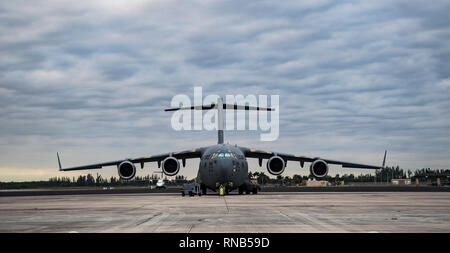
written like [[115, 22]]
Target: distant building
[[401, 181], [315, 183]]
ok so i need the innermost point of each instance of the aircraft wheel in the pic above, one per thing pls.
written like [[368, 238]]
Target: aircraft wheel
[[204, 190], [247, 192], [241, 191], [255, 191], [182, 194]]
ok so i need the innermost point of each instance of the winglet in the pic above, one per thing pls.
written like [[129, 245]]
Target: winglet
[[59, 162], [384, 160]]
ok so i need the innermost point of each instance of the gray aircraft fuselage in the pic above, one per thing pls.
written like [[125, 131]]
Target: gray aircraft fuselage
[[223, 164]]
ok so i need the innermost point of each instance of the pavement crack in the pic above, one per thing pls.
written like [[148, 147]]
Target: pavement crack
[[147, 219], [191, 227], [228, 210]]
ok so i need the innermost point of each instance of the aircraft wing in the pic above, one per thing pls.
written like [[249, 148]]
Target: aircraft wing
[[260, 154], [187, 154]]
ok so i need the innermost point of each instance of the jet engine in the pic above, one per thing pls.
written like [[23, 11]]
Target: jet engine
[[126, 170], [170, 166], [276, 165], [319, 168]]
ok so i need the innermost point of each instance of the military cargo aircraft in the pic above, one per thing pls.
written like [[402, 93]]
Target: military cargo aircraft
[[222, 165]]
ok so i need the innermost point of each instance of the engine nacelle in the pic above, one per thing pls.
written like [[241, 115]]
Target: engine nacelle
[[126, 170], [170, 166], [276, 165], [319, 168]]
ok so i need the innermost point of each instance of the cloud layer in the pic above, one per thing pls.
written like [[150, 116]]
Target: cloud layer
[[91, 79]]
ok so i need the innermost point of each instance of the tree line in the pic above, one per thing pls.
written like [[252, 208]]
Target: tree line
[[381, 175], [90, 180]]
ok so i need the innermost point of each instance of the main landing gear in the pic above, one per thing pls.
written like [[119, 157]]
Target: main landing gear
[[243, 189], [203, 188]]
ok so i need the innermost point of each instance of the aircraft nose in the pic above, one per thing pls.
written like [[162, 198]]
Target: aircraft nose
[[224, 167]]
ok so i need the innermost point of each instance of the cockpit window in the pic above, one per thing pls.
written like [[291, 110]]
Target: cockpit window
[[224, 154]]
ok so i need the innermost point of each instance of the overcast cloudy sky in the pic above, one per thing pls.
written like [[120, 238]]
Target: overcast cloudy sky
[[91, 80]]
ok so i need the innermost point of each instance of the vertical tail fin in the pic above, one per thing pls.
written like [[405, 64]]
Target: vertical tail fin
[[220, 121]]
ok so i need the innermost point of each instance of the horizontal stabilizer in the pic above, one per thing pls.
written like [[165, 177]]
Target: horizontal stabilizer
[[220, 106], [200, 107], [225, 107]]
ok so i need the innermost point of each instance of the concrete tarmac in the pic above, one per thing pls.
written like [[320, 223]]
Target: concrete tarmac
[[361, 212], [136, 190]]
